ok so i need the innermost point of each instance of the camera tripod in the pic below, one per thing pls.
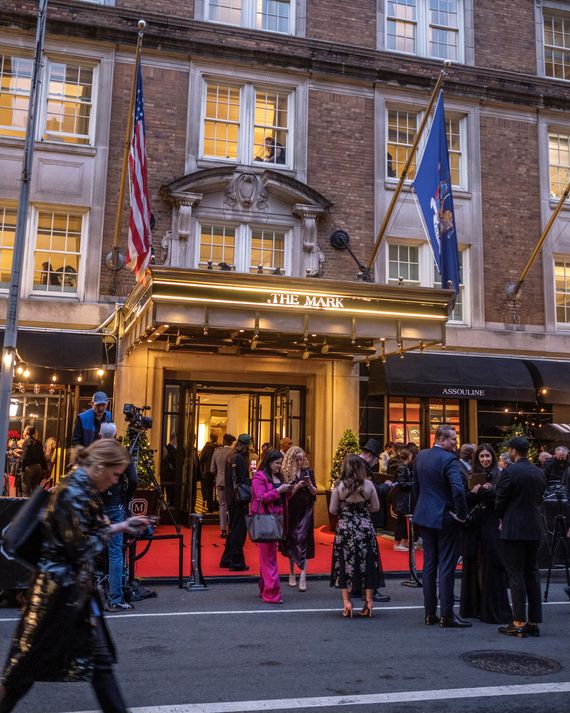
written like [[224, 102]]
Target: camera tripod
[[559, 539]]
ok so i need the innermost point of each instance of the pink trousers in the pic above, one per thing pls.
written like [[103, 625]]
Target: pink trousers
[[269, 584]]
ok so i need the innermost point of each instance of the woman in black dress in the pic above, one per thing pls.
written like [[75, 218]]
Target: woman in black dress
[[237, 472], [355, 564], [484, 578], [299, 542]]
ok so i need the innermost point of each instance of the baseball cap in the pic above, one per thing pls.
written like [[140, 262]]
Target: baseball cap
[[244, 439], [100, 397], [520, 443]]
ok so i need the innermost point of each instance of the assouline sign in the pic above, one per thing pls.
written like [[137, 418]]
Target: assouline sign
[[463, 392]]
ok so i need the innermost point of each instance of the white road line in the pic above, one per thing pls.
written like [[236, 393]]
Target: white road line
[[365, 700], [269, 610]]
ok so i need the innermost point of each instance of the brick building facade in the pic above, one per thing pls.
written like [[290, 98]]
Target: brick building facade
[[338, 93]]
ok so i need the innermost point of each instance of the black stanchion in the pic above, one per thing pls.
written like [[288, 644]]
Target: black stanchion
[[196, 583], [415, 581]]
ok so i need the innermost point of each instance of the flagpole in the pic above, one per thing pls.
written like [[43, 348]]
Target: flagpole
[[514, 288], [115, 261], [404, 175]]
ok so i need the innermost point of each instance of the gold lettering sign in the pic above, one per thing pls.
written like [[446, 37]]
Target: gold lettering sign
[[292, 299]]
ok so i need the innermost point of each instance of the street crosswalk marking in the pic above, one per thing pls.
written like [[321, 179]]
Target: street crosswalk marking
[[269, 609], [281, 704]]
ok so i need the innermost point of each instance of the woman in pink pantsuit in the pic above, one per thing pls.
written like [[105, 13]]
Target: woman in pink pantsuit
[[268, 490]]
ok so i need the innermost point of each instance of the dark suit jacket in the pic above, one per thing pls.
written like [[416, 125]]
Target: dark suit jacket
[[33, 454], [440, 486], [518, 500]]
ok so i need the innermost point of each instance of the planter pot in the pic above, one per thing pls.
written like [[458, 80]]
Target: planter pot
[[333, 519]]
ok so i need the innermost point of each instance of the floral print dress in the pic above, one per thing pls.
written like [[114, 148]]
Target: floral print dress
[[355, 563]]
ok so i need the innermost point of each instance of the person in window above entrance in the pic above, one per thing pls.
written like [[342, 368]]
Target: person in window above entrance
[[356, 563], [299, 542], [284, 444], [88, 423], [207, 478], [34, 464], [268, 496], [484, 577], [218, 468], [237, 471], [116, 506], [370, 454], [274, 151]]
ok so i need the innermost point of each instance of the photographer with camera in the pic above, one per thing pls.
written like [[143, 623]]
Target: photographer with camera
[[88, 424], [115, 506]]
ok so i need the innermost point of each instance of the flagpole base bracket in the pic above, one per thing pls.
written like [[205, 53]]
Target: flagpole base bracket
[[115, 261]]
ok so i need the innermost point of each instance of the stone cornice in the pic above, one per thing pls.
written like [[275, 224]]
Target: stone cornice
[[317, 58]]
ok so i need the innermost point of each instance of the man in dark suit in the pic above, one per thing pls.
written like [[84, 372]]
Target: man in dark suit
[[518, 500], [440, 511]]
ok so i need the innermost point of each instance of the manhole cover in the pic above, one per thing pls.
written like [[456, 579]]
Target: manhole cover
[[511, 663]]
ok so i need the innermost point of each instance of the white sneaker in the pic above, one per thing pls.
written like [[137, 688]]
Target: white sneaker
[[401, 548]]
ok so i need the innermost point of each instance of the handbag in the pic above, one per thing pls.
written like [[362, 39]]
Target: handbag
[[22, 539], [265, 526], [242, 491]]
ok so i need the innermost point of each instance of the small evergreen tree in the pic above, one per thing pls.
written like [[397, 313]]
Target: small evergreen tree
[[348, 443], [518, 431], [145, 458]]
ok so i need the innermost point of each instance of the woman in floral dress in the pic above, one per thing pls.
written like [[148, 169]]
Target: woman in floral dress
[[355, 562]]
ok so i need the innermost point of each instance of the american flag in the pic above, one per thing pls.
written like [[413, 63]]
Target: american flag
[[139, 242]]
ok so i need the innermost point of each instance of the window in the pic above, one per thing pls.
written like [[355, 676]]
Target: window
[[431, 28], [414, 265], [558, 163], [246, 124], [556, 46], [66, 104], [15, 86], [57, 252], [562, 290], [268, 15], [69, 102], [402, 128], [7, 239], [404, 420], [243, 248]]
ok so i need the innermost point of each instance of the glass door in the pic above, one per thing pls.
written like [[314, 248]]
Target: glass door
[[188, 468], [289, 408]]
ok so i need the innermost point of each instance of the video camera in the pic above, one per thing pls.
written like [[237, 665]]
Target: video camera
[[134, 416]]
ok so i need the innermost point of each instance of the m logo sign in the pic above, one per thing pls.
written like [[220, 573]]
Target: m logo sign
[[139, 507]]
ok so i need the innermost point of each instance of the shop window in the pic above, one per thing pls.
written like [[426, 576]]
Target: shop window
[[244, 248], [246, 124], [556, 46], [57, 252], [442, 411], [67, 101], [562, 291], [558, 162], [7, 238], [402, 128], [430, 28], [404, 420], [268, 15]]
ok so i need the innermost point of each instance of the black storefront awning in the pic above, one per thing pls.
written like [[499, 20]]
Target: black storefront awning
[[557, 432], [453, 376], [554, 377]]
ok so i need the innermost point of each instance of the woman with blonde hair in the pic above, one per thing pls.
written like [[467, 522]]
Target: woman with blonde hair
[[61, 635], [356, 564], [299, 542]]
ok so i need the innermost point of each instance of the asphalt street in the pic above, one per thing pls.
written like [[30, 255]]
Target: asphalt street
[[223, 651]]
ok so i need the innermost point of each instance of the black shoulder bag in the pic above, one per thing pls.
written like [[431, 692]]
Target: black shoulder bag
[[22, 538], [242, 491]]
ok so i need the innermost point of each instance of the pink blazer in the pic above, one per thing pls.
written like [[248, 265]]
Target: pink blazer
[[262, 488]]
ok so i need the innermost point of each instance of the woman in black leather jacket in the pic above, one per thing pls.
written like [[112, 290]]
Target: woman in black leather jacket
[[62, 635]]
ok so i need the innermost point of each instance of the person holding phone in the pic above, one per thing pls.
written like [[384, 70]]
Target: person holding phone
[[268, 495], [299, 542], [62, 635]]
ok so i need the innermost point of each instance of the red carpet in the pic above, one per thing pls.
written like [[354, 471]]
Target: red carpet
[[162, 557]]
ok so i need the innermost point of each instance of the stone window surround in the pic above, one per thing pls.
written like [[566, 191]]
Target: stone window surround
[[298, 19], [466, 31], [557, 257], [98, 151], [540, 6], [298, 130]]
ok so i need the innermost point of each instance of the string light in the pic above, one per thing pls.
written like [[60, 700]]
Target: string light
[[26, 373], [20, 369], [100, 372], [54, 377], [79, 378]]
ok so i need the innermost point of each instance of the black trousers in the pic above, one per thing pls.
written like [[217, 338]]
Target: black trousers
[[441, 552], [521, 563], [233, 551]]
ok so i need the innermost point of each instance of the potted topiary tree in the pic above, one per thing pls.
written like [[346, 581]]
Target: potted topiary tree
[[348, 443]]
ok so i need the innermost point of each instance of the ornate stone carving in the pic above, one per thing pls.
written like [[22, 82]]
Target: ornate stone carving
[[178, 241], [246, 190], [313, 256]]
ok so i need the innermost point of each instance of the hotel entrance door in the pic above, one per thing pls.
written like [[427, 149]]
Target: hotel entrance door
[[202, 413]]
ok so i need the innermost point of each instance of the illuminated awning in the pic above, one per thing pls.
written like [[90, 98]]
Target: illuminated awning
[[226, 312]]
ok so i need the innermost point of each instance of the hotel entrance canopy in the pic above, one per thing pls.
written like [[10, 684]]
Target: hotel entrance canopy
[[270, 315]]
